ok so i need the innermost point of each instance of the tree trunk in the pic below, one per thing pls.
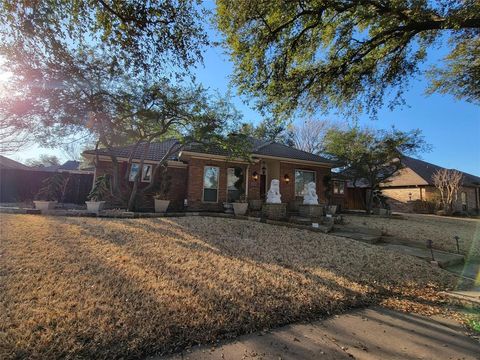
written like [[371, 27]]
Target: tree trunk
[[133, 195]]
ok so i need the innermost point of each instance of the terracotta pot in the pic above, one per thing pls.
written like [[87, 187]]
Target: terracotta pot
[[95, 206], [161, 206], [240, 208], [44, 205]]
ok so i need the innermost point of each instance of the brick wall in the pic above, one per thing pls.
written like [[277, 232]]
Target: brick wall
[[195, 183], [400, 200], [176, 194]]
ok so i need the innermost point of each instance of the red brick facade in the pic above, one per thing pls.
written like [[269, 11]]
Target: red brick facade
[[187, 182]]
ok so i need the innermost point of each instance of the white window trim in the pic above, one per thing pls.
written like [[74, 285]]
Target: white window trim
[[226, 192], [295, 178], [203, 185], [141, 172]]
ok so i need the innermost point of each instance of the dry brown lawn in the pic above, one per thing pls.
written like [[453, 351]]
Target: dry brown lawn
[[419, 228], [109, 288]]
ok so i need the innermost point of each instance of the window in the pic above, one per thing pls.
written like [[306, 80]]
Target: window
[[463, 198], [146, 173], [210, 183], [339, 187], [303, 177], [234, 184]]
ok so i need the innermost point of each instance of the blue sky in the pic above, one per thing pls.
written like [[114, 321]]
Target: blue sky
[[452, 127]]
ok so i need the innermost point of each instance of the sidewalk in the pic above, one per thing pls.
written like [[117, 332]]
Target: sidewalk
[[374, 333]]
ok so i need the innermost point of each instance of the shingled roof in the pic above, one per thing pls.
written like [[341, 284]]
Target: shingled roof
[[426, 170], [259, 147], [156, 151]]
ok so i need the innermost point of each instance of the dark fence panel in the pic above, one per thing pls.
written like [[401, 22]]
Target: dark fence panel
[[22, 185]]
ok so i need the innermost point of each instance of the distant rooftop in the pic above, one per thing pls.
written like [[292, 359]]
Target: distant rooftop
[[6, 163]]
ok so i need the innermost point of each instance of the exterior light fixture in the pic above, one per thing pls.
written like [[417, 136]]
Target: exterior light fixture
[[255, 176], [264, 169], [286, 178], [410, 196]]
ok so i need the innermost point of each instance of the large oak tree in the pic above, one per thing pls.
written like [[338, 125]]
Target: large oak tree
[[348, 54]]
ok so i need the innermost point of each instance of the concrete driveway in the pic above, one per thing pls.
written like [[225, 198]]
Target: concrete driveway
[[373, 333]]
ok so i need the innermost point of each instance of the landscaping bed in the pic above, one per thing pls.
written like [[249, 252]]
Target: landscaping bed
[[108, 288], [417, 229]]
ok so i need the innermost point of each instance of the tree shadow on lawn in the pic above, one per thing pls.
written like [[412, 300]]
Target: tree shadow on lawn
[[174, 287]]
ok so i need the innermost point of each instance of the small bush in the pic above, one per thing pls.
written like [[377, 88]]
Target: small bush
[[423, 206]]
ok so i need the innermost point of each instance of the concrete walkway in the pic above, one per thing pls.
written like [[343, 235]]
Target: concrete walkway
[[374, 333], [443, 258]]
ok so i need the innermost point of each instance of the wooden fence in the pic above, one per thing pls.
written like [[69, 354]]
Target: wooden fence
[[22, 185]]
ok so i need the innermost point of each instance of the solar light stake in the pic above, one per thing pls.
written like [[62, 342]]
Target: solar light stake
[[429, 246], [458, 246]]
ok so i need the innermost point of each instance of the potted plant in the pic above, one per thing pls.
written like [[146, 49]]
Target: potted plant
[[160, 198], [98, 195], [49, 193], [240, 206]]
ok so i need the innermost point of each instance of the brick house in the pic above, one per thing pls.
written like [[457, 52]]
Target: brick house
[[205, 180], [414, 182]]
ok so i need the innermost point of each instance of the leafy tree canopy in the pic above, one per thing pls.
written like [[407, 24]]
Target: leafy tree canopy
[[70, 60], [371, 155], [141, 36], [43, 160], [347, 54]]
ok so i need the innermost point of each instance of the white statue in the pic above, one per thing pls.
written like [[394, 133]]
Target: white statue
[[273, 195], [310, 196]]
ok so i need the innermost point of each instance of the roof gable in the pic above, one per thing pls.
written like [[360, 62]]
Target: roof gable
[[426, 171]]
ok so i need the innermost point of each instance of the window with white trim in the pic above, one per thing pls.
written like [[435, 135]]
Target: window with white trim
[[303, 177], [210, 183], [146, 175]]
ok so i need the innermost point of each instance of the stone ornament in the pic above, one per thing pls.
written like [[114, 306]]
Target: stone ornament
[[273, 195], [310, 196]]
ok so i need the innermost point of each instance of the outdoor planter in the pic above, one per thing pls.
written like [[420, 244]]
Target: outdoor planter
[[255, 204], [95, 206], [311, 210], [332, 209], [44, 205], [240, 208], [275, 211], [161, 206]]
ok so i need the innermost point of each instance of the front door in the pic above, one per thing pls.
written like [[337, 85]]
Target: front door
[[263, 186]]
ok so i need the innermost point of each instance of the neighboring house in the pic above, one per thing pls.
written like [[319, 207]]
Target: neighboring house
[[6, 163], [204, 180], [70, 166], [415, 182]]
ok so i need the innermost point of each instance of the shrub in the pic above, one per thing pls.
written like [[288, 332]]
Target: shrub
[[423, 206], [53, 188], [100, 189]]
